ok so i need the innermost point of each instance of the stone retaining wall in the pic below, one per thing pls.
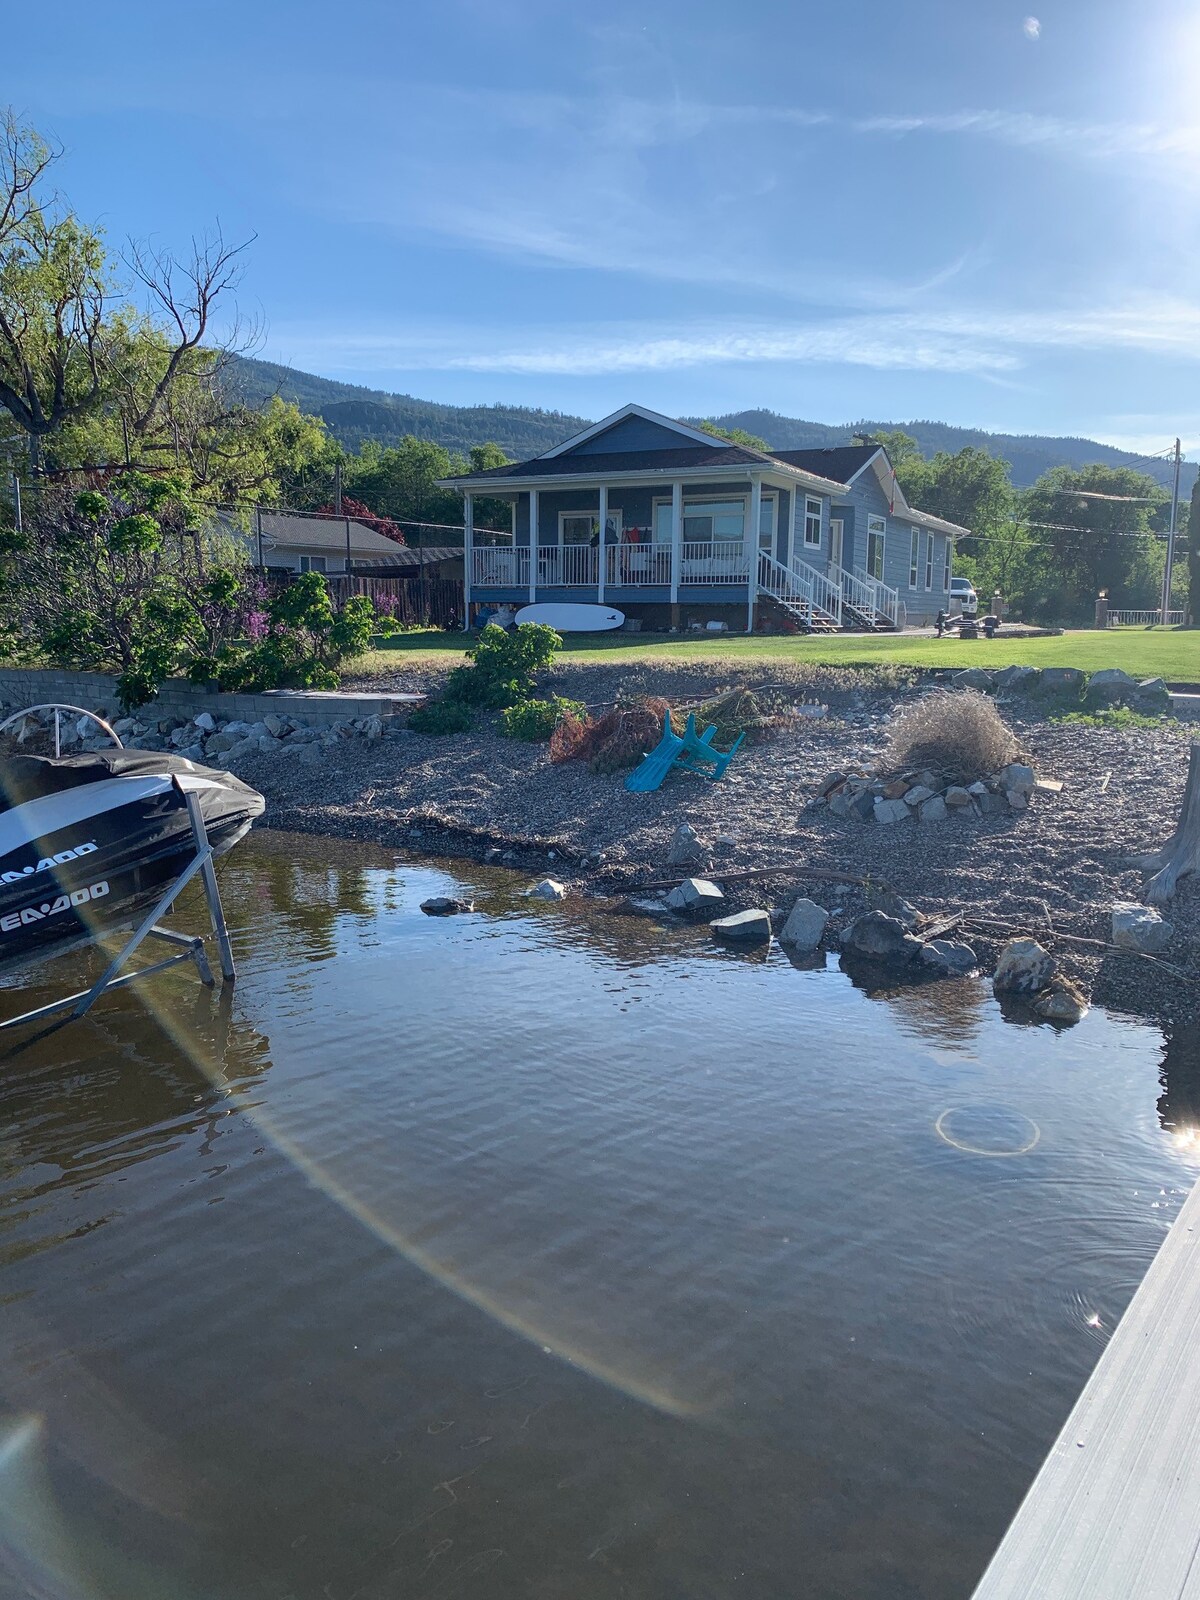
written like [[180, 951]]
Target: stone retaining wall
[[94, 691]]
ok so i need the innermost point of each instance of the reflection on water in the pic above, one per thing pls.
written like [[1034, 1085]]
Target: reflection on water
[[547, 1251]]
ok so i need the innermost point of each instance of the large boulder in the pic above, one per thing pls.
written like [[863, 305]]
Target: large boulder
[[881, 938], [1062, 1001], [933, 810], [804, 926], [1138, 927], [1062, 681], [746, 927], [1110, 684], [695, 895], [1017, 778], [973, 678], [957, 798], [1018, 680], [1024, 968], [888, 811], [917, 795]]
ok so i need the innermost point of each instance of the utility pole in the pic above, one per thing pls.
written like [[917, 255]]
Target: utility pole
[[337, 488], [1166, 588]]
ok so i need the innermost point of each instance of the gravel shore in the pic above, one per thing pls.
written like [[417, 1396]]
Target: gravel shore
[[1053, 871]]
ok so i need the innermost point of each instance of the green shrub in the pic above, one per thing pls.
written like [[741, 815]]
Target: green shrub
[[1110, 717], [536, 720], [502, 666], [441, 717]]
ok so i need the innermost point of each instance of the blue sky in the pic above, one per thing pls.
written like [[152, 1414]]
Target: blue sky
[[951, 211]]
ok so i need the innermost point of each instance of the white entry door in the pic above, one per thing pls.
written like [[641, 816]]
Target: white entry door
[[835, 542]]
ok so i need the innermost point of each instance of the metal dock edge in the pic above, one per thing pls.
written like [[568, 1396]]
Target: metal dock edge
[[1114, 1513]]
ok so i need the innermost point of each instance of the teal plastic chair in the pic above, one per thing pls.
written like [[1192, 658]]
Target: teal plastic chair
[[691, 750]]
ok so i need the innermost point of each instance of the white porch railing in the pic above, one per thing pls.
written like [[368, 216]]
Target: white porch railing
[[804, 591], [498, 567], [869, 595], [568, 566], [637, 565], [725, 562], [1143, 619]]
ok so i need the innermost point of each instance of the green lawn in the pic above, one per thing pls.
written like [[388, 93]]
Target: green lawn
[[1162, 652]]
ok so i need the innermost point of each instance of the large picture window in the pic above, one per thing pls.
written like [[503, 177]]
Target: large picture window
[[876, 528], [812, 521], [716, 522]]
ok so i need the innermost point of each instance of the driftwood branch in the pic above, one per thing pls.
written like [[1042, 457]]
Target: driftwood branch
[[1009, 930], [1181, 853]]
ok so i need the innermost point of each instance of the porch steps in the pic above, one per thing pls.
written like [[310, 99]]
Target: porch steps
[[864, 619], [808, 618]]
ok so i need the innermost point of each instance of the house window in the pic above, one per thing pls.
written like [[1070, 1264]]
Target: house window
[[716, 521], [312, 563], [928, 561], [576, 527], [812, 521], [946, 567], [914, 559], [876, 529]]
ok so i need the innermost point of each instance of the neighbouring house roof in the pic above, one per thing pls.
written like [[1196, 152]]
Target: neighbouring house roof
[[408, 558], [293, 531]]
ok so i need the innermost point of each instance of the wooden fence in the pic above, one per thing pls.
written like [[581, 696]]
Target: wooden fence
[[415, 598]]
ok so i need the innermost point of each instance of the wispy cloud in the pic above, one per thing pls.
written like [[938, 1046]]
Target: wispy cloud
[[989, 344]]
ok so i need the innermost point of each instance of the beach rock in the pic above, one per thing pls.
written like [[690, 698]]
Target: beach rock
[[1017, 776], [933, 809], [373, 727], [991, 805], [834, 781], [933, 781], [1110, 683], [1138, 927], [917, 795], [956, 797], [1063, 1001], [275, 725], [888, 811], [1017, 799], [193, 752], [949, 957], [972, 678], [804, 926], [1024, 968], [547, 889], [882, 938], [243, 747], [1018, 680], [746, 927], [687, 848], [893, 905], [206, 722], [445, 905], [1062, 680], [695, 894]]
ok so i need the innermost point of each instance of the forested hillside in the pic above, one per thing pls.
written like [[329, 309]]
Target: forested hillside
[[354, 414]]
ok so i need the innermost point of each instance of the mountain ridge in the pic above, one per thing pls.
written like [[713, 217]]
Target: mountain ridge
[[355, 413]]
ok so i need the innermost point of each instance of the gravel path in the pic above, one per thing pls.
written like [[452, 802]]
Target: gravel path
[[1057, 867]]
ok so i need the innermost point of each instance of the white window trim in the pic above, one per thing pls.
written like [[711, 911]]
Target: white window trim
[[929, 563], [812, 507], [877, 525], [309, 567], [914, 558], [946, 566]]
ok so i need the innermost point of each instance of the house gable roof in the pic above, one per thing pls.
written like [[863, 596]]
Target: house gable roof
[[610, 424]]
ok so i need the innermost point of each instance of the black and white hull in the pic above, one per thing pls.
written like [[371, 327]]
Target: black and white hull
[[88, 841]]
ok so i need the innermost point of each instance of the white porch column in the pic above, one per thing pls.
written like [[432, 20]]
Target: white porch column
[[533, 544], [600, 548], [676, 539], [751, 547], [793, 524], [468, 555]]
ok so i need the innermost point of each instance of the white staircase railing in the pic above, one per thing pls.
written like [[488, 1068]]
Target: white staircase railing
[[802, 587], [870, 595]]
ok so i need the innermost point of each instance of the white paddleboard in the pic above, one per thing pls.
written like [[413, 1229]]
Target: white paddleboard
[[567, 618]]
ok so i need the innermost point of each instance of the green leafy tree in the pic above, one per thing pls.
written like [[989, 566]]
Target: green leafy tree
[[122, 579], [302, 641], [901, 447], [402, 482], [751, 441], [971, 488], [1088, 543]]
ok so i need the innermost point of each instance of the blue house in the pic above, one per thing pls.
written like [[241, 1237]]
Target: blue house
[[677, 527]]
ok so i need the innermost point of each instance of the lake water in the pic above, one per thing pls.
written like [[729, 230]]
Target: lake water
[[547, 1253]]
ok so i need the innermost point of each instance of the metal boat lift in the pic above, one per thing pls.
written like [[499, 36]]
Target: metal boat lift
[[187, 947]]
